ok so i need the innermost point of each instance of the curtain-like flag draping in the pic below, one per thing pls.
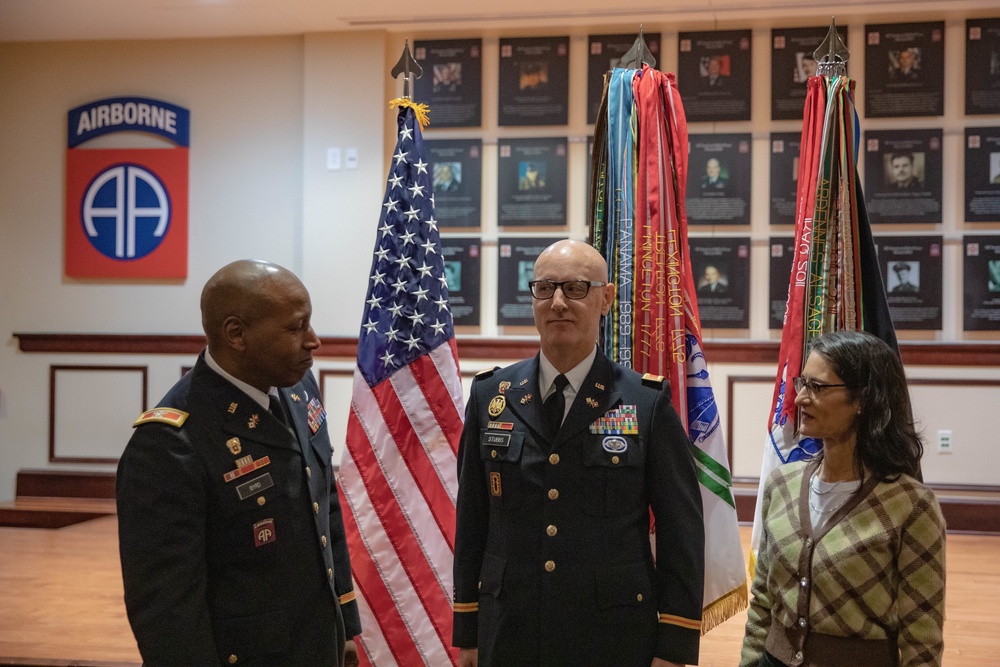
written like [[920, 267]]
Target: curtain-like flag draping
[[835, 283], [398, 476], [638, 223]]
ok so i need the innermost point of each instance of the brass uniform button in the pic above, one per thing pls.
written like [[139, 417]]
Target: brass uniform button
[[550, 565], [615, 459], [553, 494], [553, 459], [309, 473], [315, 508], [480, 585], [638, 598], [322, 541], [329, 573], [493, 453], [233, 659], [551, 531], [261, 500]]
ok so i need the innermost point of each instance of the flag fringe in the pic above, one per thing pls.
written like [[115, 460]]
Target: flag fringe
[[421, 111], [725, 607]]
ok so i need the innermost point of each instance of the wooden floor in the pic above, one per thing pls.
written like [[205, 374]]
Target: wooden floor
[[61, 601]]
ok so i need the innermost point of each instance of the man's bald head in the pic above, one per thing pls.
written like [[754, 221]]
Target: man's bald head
[[242, 289], [583, 256]]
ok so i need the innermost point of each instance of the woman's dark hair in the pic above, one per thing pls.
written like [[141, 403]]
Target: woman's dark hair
[[887, 440]]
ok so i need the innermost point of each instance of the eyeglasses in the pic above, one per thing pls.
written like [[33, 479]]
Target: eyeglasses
[[571, 289], [814, 388]]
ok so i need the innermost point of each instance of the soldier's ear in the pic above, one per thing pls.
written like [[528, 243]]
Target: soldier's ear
[[234, 333]]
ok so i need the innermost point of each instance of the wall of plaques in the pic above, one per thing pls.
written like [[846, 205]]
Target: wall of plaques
[[510, 143]]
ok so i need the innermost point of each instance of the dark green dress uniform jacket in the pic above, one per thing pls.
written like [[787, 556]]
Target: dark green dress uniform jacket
[[244, 570], [553, 564]]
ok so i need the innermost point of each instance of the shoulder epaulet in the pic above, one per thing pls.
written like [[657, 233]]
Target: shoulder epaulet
[[654, 381], [485, 373], [163, 415]]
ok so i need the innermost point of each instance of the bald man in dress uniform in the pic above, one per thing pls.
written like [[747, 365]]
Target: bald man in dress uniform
[[230, 530], [553, 565]]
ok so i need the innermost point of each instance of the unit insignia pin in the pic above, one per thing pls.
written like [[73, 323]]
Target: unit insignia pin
[[497, 406], [591, 402], [504, 386], [253, 421], [234, 446], [525, 399]]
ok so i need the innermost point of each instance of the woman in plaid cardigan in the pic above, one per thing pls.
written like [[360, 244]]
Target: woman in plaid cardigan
[[850, 568]]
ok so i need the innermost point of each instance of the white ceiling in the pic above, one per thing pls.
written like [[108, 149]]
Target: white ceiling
[[47, 20]]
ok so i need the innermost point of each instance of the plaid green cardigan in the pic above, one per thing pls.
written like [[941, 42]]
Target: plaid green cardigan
[[868, 589]]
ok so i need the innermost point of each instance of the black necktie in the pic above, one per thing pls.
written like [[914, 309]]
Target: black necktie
[[277, 409], [555, 407]]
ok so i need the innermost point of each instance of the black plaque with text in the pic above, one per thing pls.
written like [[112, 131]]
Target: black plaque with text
[[462, 270], [457, 175], [514, 271], [904, 70], [604, 54], [982, 283], [982, 66], [713, 75], [792, 63], [782, 255], [903, 175], [911, 269], [784, 176], [534, 81], [721, 269], [452, 82], [982, 174], [532, 182], [718, 187]]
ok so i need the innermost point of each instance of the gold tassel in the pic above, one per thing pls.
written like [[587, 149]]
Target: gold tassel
[[420, 110], [725, 608]]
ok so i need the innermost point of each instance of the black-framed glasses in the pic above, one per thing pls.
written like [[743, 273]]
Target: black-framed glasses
[[814, 388], [571, 289]]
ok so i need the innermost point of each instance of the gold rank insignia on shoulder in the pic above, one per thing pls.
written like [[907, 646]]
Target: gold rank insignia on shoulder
[[253, 421], [497, 405], [650, 380], [504, 386], [234, 446], [162, 415], [232, 407]]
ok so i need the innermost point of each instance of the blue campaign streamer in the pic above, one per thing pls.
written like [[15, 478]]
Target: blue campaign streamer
[[621, 223]]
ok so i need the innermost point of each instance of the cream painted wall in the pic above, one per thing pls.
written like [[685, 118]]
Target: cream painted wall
[[257, 183]]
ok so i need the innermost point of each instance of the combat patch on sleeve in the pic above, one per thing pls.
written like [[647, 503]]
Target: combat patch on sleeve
[[163, 415], [654, 381]]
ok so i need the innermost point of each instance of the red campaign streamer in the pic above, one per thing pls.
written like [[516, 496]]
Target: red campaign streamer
[[791, 351]]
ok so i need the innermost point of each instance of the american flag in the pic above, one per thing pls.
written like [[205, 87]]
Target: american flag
[[398, 475]]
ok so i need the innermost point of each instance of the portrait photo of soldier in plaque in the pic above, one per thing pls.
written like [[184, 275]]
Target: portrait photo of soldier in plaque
[[903, 277], [716, 176], [531, 175], [453, 275], [714, 70], [904, 64], [904, 70], [982, 66], [904, 170], [447, 77], [993, 282], [713, 73], [447, 176], [713, 280]]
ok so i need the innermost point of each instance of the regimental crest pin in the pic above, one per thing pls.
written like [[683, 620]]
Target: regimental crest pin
[[253, 421], [497, 406], [234, 446], [232, 408], [504, 386]]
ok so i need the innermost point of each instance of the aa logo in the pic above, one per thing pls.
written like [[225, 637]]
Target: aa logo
[[126, 208]]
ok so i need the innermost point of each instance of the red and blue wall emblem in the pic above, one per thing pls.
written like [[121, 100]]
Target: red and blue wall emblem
[[127, 208]]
